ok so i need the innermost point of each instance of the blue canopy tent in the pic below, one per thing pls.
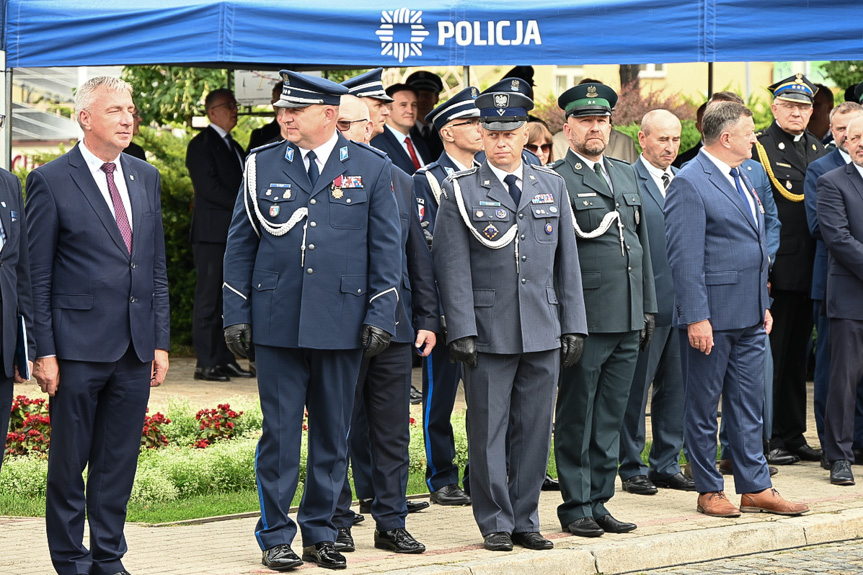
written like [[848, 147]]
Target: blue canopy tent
[[345, 33]]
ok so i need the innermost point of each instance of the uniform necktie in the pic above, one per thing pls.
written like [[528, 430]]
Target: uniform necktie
[[735, 173], [666, 181], [598, 169], [313, 168], [513, 188], [413, 153], [119, 210]]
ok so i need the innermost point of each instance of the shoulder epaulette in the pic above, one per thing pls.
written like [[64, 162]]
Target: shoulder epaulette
[[617, 161], [545, 169], [760, 133], [371, 149], [266, 146], [461, 174], [556, 163], [426, 168]]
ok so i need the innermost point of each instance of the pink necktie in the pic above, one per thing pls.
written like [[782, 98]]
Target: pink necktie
[[413, 154], [119, 210]]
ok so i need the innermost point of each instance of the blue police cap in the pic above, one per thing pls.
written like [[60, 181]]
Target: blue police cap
[[589, 99], [795, 88], [368, 85], [504, 106], [462, 105], [301, 91]]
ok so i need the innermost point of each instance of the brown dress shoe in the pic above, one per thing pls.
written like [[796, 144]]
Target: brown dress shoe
[[769, 501], [715, 504]]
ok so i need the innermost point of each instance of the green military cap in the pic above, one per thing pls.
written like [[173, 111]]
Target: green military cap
[[590, 99], [795, 88]]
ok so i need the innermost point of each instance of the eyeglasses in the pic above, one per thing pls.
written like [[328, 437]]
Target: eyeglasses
[[231, 105], [546, 148], [345, 125], [473, 122], [802, 108]]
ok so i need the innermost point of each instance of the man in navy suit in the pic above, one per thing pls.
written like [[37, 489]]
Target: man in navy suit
[[840, 117], [840, 217], [659, 364], [717, 251], [215, 163], [312, 265], [15, 296], [101, 323], [406, 152]]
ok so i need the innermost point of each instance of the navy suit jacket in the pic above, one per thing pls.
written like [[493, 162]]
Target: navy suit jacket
[[840, 216], [652, 203], [389, 144], [418, 306], [15, 295], [815, 170], [91, 298], [718, 256]]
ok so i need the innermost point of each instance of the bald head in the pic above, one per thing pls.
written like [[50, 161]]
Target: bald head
[[353, 119], [659, 138]]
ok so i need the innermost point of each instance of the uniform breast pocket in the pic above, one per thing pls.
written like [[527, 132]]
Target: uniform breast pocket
[[546, 218], [589, 212], [633, 203], [349, 210]]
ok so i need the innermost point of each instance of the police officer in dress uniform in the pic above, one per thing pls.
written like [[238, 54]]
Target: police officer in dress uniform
[[312, 268], [786, 149], [509, 281], [620, 299], [457, 122]]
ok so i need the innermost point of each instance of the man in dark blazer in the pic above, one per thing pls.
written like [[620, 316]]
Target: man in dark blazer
[[786, 149], [215, 163], [404, 149], [509, 282], [312, 269], [659, 364], [620, 300], [840, 117], [840, 217], [269, 132], [717, 251], [689, 155], [428, 86], [15, 298], [101, 323], [381, 401]]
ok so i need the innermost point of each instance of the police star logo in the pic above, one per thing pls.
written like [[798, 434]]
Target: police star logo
[[401, 33]]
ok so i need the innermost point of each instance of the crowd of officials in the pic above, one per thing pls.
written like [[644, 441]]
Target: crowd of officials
[[560, 277]]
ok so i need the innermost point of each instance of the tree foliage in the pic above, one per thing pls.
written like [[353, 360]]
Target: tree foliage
[[844, 73], [172, 94]]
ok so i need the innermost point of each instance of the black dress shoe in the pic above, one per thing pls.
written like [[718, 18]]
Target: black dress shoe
[[612, 525], [533, 541], [416, 396], [500, 541], [781, 456], [677, 481], [398, 541], [550, 483], [123, 572], [366, 505], [807, 453], [450, 495], [211, 373], [414, 506], [233, 369], [324, 554], [826, 464], [584, 527], [281, 558], [840, 473], [639, 485], [358, 518], [344, 541]]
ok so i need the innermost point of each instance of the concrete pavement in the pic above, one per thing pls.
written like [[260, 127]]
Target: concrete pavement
[[670, 532]]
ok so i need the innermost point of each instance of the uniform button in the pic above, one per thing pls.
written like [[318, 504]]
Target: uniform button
[[347, 201], [521, 216], [259, 286], [524, 280], [359, 291], [618, 204], [134, 265], [313, 224], [629, 269], [313, 201], [310, 271], [521, 237], [524, 258], [132, 300], [627, 247], [311, 246]]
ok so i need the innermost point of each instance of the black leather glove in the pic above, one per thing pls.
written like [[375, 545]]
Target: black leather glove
[[239, 339], [427, 234], [571, 347], [443, 327], [647, 333], [464, 350], [374, 340]]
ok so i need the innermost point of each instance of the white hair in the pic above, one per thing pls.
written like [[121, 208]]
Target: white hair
[[84, 95]]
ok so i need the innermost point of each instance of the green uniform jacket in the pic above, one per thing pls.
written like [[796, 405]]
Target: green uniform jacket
[[610, 278]]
